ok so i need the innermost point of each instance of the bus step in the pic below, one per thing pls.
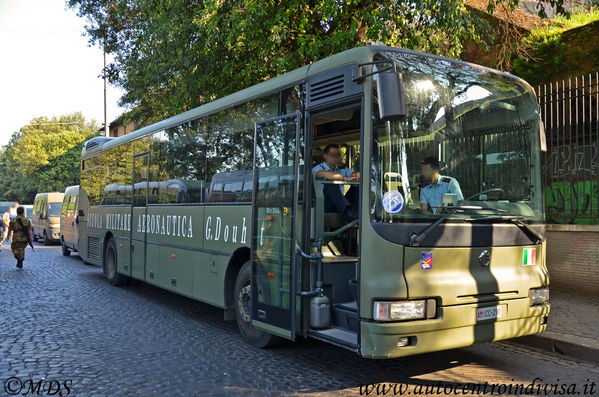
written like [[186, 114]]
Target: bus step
[[337, 336], [346, 315]]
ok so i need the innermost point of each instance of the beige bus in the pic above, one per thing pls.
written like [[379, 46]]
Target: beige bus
[[46, 217]]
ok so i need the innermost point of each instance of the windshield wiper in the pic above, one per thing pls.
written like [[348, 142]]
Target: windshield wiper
[[517, 220], [416, 238]]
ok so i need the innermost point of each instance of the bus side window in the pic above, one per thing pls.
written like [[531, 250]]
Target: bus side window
[[231, 191], [155, 196], [171, 194], [196, 195], [182, 196], [65, 204], [161, 192], [71, 205], [246, 193], [215, 193]]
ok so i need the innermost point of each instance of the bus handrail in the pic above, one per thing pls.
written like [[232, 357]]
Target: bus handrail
[[319, 232], [337, 182], [341, 229]]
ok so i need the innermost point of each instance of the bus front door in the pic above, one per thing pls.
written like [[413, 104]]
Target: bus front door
[[275, 204]]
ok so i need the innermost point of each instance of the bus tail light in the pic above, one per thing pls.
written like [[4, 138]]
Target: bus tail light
[[538, 296], [404, 310]]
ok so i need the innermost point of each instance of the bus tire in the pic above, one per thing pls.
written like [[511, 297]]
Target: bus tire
[[46, 239], [65, 250], [110, 264], [242, 312], [34, 235]]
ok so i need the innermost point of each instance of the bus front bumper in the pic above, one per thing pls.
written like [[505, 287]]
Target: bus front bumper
[[455, 326]]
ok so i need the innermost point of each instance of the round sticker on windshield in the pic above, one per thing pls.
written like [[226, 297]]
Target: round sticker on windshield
[[393, 202]]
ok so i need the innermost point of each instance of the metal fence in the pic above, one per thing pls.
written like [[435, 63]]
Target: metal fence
[[570, 112]]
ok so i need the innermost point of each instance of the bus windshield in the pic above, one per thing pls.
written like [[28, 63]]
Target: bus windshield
[[54, 209], [481, 130]]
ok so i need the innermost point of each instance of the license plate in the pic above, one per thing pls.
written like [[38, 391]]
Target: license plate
[[488, 313]]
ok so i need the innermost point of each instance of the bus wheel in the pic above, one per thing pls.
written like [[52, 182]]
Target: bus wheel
[[65, 250], [46, 239], [110, 264], [34, 235], [243, 309]]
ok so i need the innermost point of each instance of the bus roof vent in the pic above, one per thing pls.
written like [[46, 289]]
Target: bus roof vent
[[331, 86]]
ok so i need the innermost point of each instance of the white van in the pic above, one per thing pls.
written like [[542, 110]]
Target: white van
[[69, 221], [28, 210], [45, 218]]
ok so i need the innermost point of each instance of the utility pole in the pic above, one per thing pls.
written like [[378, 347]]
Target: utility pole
[[106, 131]]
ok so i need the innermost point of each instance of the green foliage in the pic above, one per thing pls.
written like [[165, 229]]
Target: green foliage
[[173, 55], [578, 18], [550, 56], [43, 156]]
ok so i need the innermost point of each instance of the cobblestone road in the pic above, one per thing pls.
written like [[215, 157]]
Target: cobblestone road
[[60, 320]]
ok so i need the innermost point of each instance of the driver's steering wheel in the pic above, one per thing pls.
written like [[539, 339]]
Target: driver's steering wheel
[[495, 189]]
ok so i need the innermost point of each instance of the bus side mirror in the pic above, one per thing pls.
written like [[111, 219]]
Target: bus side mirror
[[390, 96]]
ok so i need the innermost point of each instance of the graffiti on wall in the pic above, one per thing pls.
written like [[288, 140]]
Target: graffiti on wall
[[571, 188], [569, 109]]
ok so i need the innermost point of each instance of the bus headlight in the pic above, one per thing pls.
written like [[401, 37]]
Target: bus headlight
[[404, 310], [538, 296]]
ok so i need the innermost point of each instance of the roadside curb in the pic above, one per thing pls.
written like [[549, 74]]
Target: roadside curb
[[563, 344]]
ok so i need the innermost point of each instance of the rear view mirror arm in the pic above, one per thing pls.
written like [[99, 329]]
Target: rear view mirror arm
[[358, 77]]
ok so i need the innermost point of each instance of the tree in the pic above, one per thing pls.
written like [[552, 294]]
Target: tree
[[43, 156], [173, 55]]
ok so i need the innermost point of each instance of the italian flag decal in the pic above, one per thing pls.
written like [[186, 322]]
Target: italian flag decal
[[529, 256]]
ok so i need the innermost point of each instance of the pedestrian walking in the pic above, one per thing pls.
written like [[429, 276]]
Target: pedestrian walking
[[5, 222], [20, 227], [13, 210]]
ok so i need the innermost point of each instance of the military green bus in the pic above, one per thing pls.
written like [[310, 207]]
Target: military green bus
[[219, 204]]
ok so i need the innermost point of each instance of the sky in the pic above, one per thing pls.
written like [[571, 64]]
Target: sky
[[47, 67]]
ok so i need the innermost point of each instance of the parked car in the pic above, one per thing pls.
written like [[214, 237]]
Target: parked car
[[46, 217], [69, 221]]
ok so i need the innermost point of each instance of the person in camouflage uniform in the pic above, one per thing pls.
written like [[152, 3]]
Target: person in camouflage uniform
[[20, 227]]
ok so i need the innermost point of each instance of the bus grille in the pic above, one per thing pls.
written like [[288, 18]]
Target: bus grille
[[93, 248], [324, 89], [332, 85]]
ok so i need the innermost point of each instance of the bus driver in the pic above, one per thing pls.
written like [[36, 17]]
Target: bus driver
[[334, 199], [431, 192]]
